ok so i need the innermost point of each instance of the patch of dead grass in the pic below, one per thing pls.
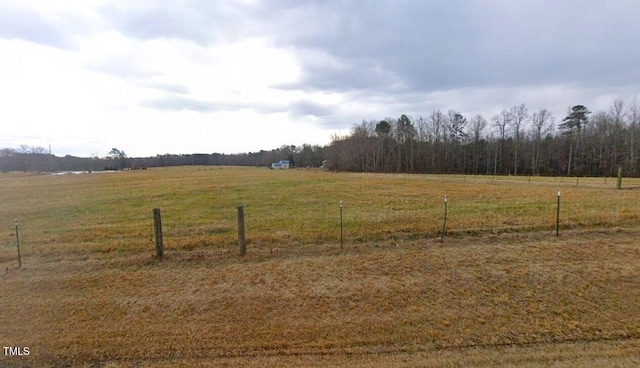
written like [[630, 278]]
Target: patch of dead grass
[[501, 290], [371, 304]]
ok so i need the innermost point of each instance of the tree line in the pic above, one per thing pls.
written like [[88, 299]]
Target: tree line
[[514, 142], [38, 159]]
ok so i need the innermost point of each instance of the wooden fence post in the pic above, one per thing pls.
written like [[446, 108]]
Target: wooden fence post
[[242, 245], [444, 223], [157, 230], [15, 222], [619, 177]]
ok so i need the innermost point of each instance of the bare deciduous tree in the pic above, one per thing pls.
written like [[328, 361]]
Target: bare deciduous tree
[[477, 130], [542, 124], [518, 114], [501, 122]]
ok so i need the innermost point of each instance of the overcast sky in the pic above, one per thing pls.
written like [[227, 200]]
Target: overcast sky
[[203, 76]]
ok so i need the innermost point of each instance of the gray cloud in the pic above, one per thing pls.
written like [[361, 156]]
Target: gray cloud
[[414, 46], [394, 46], [121, 67], [180, 103], [383, 58], [168, 87], [413, 56], [149, 22], [308, 108], [28, 25], [200, 21], [432, 46]]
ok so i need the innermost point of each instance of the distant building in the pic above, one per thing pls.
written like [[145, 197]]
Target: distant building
[[282, 164]]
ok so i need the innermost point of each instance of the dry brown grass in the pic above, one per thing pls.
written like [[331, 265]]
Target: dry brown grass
[[497, 298]]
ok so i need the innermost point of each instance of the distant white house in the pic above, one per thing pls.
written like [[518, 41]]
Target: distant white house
[[282, 164]]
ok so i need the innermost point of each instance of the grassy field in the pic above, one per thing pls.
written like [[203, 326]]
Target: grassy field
[[501, 290]]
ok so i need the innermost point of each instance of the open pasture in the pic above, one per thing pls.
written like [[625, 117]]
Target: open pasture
[[501, 290], [112, 211]]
